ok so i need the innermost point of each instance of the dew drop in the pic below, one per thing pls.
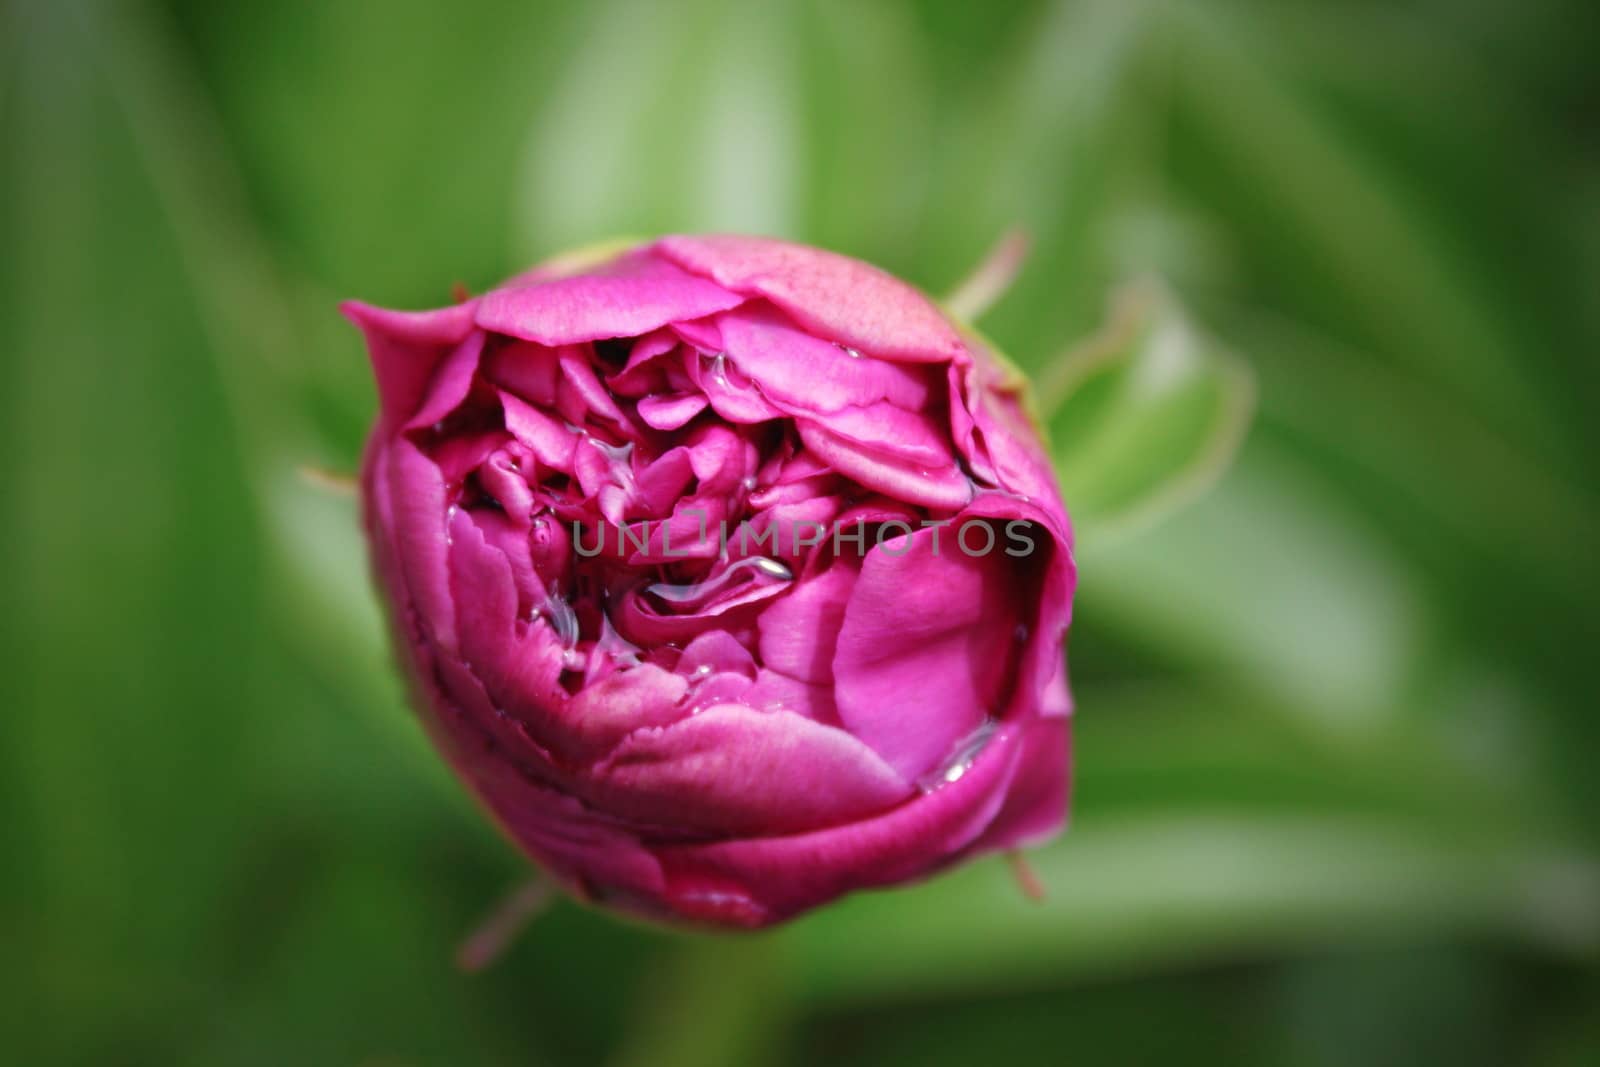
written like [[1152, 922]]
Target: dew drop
[[562, 619], [772, 568], [962, 757], [728, 379], [619, 649], [692, 592]]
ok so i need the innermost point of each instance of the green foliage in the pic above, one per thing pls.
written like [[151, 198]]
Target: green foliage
[[1143, 417], [1335, 740]]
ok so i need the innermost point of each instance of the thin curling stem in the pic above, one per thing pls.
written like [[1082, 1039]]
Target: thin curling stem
[[502, 925], [1026, 877], [990, 279], [336, 482]]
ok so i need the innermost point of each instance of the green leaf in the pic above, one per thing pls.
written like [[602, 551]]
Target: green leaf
[[1144, 416], [1148, 892], [1347, 240]]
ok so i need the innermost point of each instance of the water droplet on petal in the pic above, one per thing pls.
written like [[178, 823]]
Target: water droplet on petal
[[962, 757], [619, 649], [772, 568], [562, 619], [695, 592]]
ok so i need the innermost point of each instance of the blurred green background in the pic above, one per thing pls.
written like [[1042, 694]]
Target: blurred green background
[[1337, 735]]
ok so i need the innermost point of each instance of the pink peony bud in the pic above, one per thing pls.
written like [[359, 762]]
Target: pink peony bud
[[730, 573]]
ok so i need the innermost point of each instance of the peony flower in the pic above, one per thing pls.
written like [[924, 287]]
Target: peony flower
[[730, 574]]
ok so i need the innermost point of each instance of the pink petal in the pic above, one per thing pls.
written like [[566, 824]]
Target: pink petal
[[458, 455], [761, 880], [924, 649], [662, 482], [944, 488], [417, 496], [605, 712], [405, 347], [799, 467], [786, 492], [731, 393], [715, 651], [774, 691], [1048, 571], [703, 335], [642, 622], [800, 631], [840, 298], [463, 706], [793, 533], [648, 348], [887, 430], [721, 457], [1036, 802], [509, 537], [999, 439], [576, 372], [518, 671], [730, 769], [551, 443], [671, 412], [799, 370], [637, 294], [1057, 702], [689, 533], [528, 370], [586, 851], [451, 382], [646, 366], [502, 478]]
